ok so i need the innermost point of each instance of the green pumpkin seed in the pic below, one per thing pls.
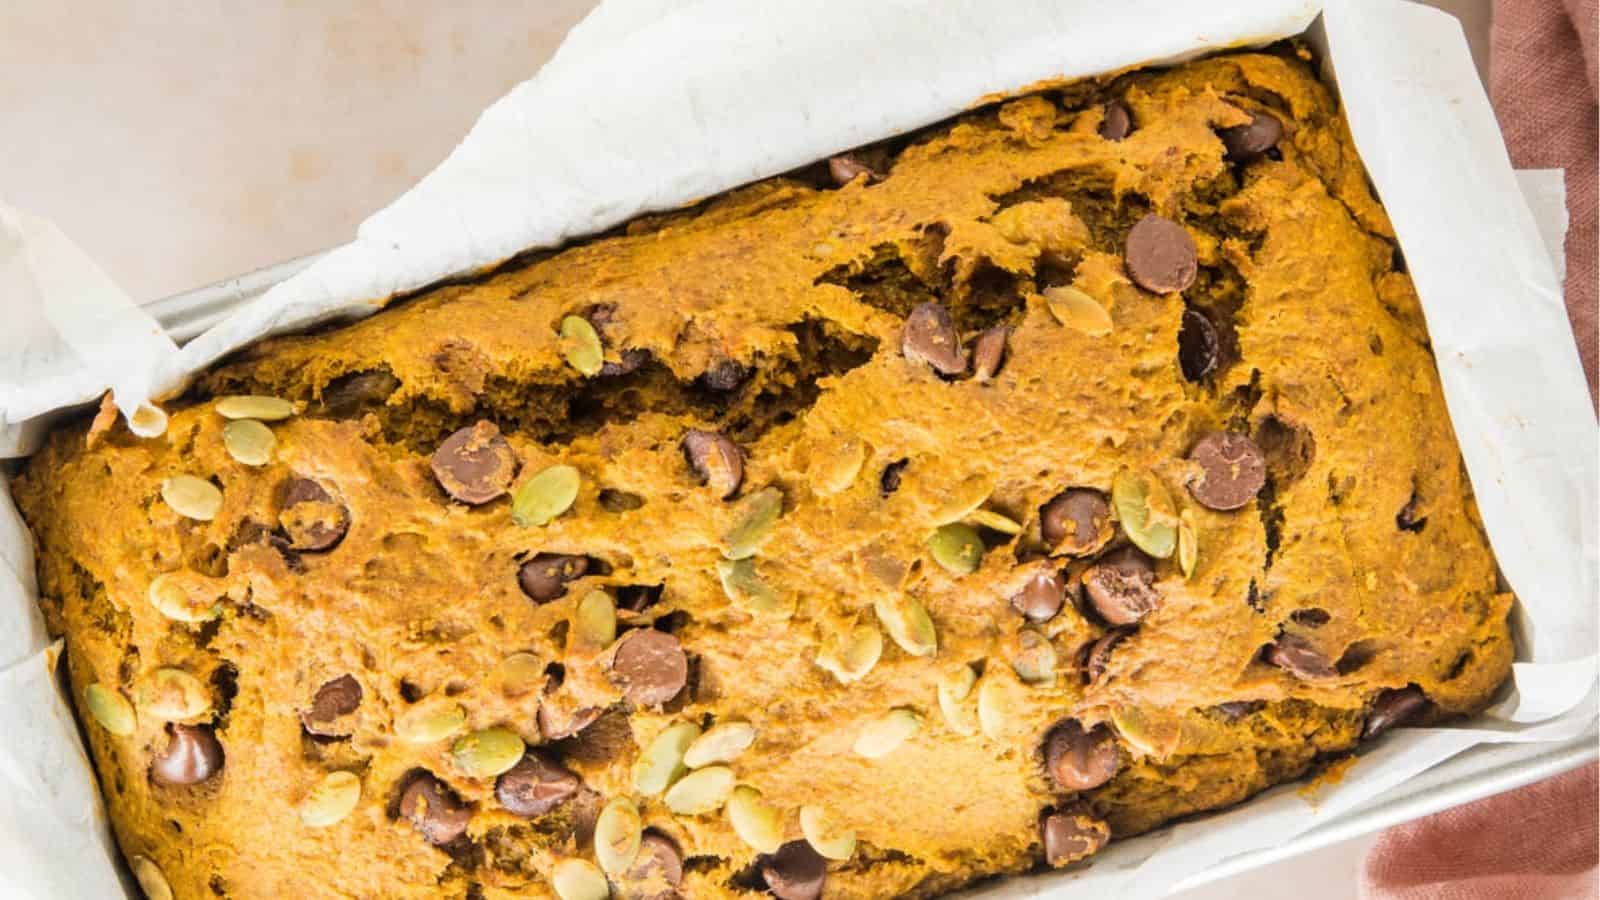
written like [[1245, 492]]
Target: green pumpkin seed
[[174, 598], [754, 820], [150, 877], [834, 469], [578, 879], [1000, 707], [722, 742], [542, 498], [852, 652], [521, 673], [249, 442], [254, 406], [661, 763], [192, 497], [617, 835], [749, 592], [954, 688], [1188, 544], [333, 798], [823, 832], [1150, 734], [1077, 310], [430, 723], [757, 515], [957, 548], [885, 734], [908, 624], [962, 498], [701, 791], [487, 752], [1146, 512], [580, 344], [988, 518], [1035, 662], [173, 695], [594, 622], [112, 710]]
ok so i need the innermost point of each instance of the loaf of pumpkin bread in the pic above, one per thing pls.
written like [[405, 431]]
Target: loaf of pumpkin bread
[[937, 512]]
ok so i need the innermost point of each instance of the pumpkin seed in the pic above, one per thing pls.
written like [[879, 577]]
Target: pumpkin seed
[[578, 879], [1035, 662], [173, 695], [758, 514], [1188, 544], [1077, 310], [520, 673], [173, 598], [954, 688], [747, 589], [961, 499], [908, 624], [834, 469], [430, 723], [661, 763], [754, 820], [1146, 512], [333, 798], [580, 345], [957, 548], [722, 742], [851, 653], [249, 442], [883, 735], [988, 518], [254, 406], [1151, 734], [487, 752], [1000, 707], [594, 622], [700, 791], [617, 834], [112, 710], [825, 835], [192, 497], [150, 877], [542, 498]]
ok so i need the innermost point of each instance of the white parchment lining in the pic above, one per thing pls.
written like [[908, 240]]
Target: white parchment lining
[[650, 104]]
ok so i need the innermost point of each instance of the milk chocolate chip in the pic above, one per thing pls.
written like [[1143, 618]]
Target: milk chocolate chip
[[1198, 346], [558, 722], [333, 701], [1161, 256], [795, 872], [657, 871], [1232, 470], [1249, 142], [434, 809], [535, 786], [628, 362], [1076, 521], [847, 167], [989, 353], [1042, 596], [651, 667], [716, 460], [1071, 835], [1295, 655], [310, 516], [1080, 760], [192, 755], [930, 337], [475, 465], [544, 577], [724, 375], [1116, 122], [1121, 586], [1097, 655], [1394, 708]]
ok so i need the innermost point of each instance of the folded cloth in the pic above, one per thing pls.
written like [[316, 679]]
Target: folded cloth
[[1533, 843]]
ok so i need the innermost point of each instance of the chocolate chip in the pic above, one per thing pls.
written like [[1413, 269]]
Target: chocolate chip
[[657, 871], [638, 597], [715, 459], [557, 723], [1097, 655], [544, 577], [1249, 142], [475, 465], [889, 481], [724, 375], [1232, 470], [192, 755], [534, 786], [1394, 708], [629, 361], [1117, 121], [989, 352], [1410, 518], [348, 395], [1076, 521], [1042, 596], [1078, 759], [1121, 586], [1295, 655], [1198, 346], [795, 872], [334, 700], [651, 667], [930, 337], [847, 167], [310, 516], [1234, 710], [434, 809], [1071, 835], [1161, 256]]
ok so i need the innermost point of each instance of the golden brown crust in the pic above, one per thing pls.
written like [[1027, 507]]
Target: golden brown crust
[[792, 295]]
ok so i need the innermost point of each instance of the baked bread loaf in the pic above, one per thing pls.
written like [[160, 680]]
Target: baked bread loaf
[[934, 513]]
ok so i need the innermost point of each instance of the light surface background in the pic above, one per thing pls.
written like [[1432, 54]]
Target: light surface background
[[181, 143]]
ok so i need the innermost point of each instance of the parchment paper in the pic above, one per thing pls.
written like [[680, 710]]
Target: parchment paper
[[651, 104]]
